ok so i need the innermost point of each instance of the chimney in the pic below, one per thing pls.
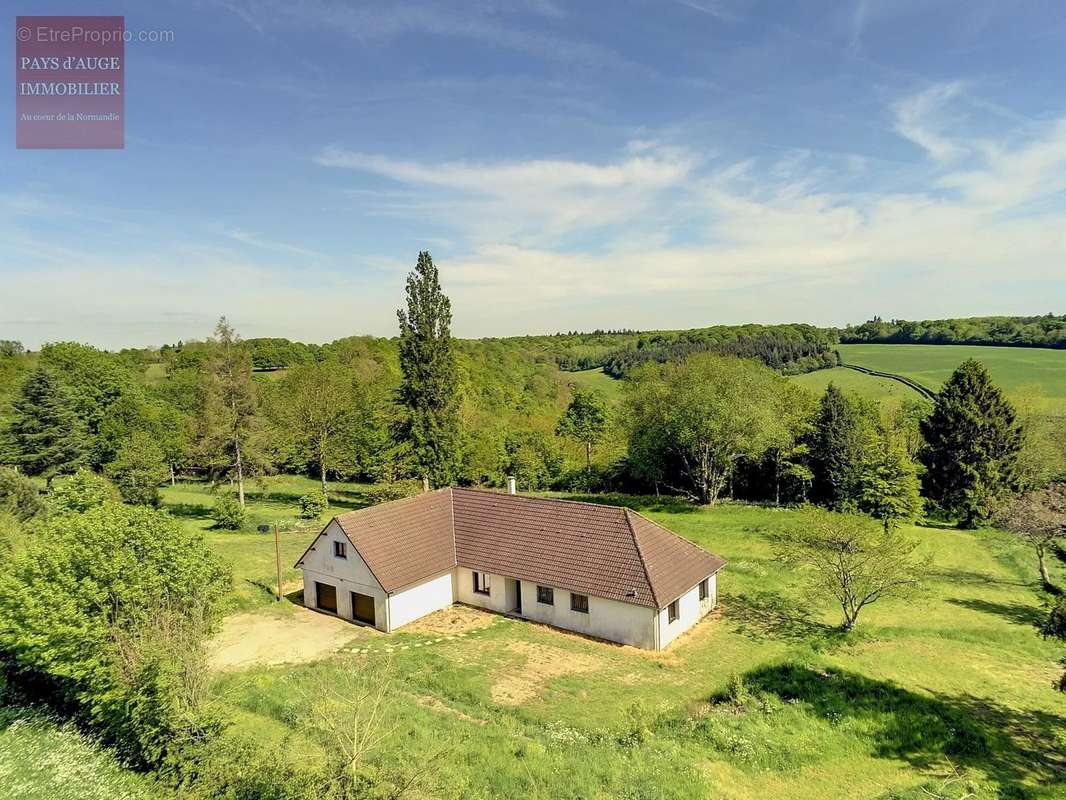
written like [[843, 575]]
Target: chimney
[[510, 485]]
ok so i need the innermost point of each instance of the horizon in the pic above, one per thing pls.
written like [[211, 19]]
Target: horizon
[[570, 166]]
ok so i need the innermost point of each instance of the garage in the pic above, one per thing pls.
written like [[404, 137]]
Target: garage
[[363, 608], [326, 597]]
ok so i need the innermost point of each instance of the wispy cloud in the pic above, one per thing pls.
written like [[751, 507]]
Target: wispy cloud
[[920, 118]]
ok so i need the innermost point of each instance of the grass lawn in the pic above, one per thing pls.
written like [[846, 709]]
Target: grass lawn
[[273, 500], [956, 679], [1011, 367]]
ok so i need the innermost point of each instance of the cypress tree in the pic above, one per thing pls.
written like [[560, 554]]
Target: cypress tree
[[49, 437], [973, 440], [429, 389]]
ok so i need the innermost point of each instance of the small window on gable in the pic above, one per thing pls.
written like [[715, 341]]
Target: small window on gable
[[340, 549], [671, 612], [705, 589], [546, 595], [481, 583], [579, 602]]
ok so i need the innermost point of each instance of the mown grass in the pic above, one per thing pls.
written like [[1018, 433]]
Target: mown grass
[[956, 679], [41, 759], [1012, 368]]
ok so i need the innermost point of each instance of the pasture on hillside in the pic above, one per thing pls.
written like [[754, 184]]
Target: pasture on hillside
[[1012, 368], [956, 680]]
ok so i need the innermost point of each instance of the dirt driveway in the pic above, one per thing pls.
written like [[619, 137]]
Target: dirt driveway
[[249, 639]]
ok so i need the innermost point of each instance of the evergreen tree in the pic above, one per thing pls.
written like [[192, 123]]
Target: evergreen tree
[[49, 437], [429, 389], [973, 440], [837, 448], [585, 420]]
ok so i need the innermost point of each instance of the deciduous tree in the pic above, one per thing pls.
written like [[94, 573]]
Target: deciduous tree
[[429, 389], [1038, 517], [889, 488], [851, 559], [585, 420]]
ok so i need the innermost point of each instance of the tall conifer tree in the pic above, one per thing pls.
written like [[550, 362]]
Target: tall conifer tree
[[48, 436], [973, 440]]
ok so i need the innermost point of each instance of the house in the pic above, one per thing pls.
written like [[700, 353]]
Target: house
[[599, 570]]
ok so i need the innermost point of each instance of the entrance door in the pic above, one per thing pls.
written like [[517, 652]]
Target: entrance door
[[326, 597], [363, 608], [518, 596]]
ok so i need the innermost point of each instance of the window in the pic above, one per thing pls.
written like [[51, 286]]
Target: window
[[705, 589], [340, 549], [546, 595], [481, 583], [579, 602], [671, 612]]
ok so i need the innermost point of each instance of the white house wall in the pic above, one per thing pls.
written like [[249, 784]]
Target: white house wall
[[421, 599], [348, 575], [606, 619], [690, 610]]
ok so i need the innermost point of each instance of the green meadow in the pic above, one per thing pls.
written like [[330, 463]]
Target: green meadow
[[1017, 370], [946, 695]]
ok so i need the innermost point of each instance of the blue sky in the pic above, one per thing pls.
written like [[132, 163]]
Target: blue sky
[[633, 163]]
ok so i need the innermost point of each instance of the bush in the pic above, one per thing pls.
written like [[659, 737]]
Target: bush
[[134, 596], [385, 492], [19, 496], [313, 504], [80, 492], [228, 513]]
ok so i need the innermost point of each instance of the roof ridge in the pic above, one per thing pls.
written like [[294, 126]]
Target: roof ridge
[[664, 529], [395, 502], [480, 490], [451, 514], [640, 556]]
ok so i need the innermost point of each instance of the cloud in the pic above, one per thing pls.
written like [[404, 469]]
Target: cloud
[[919, 118], [539, 199]]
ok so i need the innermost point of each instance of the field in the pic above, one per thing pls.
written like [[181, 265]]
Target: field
[[1014, 369], [851, 380], [958, 680]]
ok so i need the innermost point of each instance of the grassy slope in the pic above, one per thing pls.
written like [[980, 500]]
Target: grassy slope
[[1011, 367], [861, 717], [596, 380], [41, 760], [852, 381]]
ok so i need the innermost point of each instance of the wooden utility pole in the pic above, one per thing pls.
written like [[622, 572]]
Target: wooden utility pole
[[277, 556]]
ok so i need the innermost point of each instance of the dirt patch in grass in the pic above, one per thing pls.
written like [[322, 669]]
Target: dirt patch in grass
[[250, 639], [541, 663], [427, 701], [451, 620]]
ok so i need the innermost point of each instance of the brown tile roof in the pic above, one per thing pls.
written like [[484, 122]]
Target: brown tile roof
[[606, 551]]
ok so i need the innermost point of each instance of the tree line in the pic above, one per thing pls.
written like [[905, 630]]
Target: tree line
[[1044, 331]]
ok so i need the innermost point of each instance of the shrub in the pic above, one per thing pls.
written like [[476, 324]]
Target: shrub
[[227, 513], [396, 490], [80, 492], [19, 496], [134, 596], [313, 504]]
